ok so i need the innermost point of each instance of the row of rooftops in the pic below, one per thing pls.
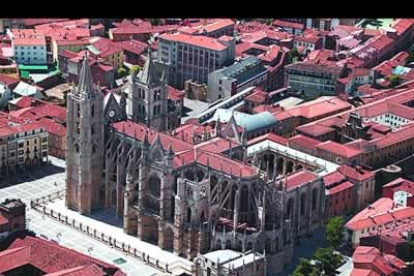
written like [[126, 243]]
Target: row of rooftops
[[11, 125]]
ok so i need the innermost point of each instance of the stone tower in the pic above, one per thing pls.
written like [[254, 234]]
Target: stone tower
[[150, 95], [85, 144]]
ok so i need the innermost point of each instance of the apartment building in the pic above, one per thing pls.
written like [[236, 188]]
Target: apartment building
[[314, 79], [29, 50], [242, 74], [22, 144], [194, 57]]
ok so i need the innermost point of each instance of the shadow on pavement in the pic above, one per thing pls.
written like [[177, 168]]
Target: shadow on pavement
[[30, 174], [108, 216]]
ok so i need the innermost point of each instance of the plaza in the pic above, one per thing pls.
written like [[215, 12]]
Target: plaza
[[49, 179]]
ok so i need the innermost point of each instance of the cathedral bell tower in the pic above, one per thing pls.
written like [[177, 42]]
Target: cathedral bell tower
[[84, 144], [150, 95]]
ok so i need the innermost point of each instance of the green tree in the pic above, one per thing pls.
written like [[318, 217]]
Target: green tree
[[306, 268], [334, 231], [292, 55], [122, 72], [394, 81], [135, 68], [155, 21], [328, 260], [268, 21]]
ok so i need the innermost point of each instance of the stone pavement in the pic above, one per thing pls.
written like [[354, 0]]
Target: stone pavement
[[41, 182]]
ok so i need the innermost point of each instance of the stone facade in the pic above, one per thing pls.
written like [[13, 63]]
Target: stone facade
[[189, 197], [85, 144]]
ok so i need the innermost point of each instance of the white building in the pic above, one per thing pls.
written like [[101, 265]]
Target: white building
[[193, 57], [228, 262], [29, 50]]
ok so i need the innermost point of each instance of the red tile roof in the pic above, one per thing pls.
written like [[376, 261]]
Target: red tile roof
[[46, 256], [304, 141], [371, 261], [186, 153], [3, 220], [12, 125], [29, 41], [338, 149], [298, 178], [90, 270], [333, 178], [9, 81], [106, 47], [308, 39], [288, 24], [258, 96], [199, 41], [403, 25], [269, 136], [320, 107], [209, 28], [381, 212], [401, 184], [266, 107], [133, 46], [340, 188], [356, 174], [175, 94], [314, 130]]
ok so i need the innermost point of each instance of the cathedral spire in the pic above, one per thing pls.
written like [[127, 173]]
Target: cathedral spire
[[85, 83]]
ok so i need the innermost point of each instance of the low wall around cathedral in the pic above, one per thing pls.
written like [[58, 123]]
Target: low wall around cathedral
[[39, 206]]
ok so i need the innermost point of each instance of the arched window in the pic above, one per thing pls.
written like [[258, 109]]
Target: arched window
[[154, 184], [188, 215], [302, 204], [314, 199], [77, 148], [200, 175]]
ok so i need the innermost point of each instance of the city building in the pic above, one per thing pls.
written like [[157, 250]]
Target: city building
[[141, 31], [133, 51], [25, 89], [215, 29], [36, 256], [29, 50], [12, 217], [108, 50], [7, 84], [194, 57], [231, 80], [400, 191], [23, 144], [47, 115], [382, 214], [228, 262], [290, 27], [70, 64], [311, 43], [371, 261], [314, 79]]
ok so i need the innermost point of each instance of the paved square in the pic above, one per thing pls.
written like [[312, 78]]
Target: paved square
[[47, 180]]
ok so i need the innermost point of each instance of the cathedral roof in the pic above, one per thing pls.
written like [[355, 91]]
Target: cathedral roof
[[187, 153]]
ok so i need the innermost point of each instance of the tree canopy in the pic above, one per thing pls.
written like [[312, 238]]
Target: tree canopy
[[334, 231]]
